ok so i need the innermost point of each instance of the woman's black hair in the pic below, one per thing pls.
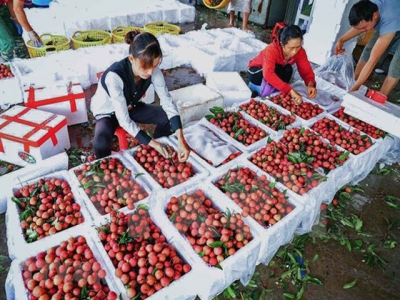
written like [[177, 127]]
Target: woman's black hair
[[362, 11], [144, 46], [289, 32]]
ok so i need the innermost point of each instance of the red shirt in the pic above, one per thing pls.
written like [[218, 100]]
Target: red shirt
[[3, 2], [272, 55]]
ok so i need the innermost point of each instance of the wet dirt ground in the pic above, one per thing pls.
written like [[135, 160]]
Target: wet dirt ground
[[335, 266]]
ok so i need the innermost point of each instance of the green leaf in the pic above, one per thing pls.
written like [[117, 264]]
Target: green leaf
[[154, 270], [350, 284], [84, 293], [230, 292], [216, 244], [17, 201], [315, 280], [269, 140], [291, 257], [272, 185], [344, 155], [288, 296], [315, 258], [359, 224], [138, 175], [89, 184], [172, 217], [142, 206], [302, 130], [239, 132], [218, 266], [209, 117]]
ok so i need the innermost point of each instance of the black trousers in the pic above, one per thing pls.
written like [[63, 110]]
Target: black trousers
[[141, 113], [255, 74]]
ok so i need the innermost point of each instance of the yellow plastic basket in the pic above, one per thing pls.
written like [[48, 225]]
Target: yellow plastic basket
[[118, 34], [161, 28], [90, 38], [215, 4], [51, 43]]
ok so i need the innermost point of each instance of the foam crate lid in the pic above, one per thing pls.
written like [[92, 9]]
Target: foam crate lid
[[178, 289], [384, 116], [272, 237], [16, 243], [200, 171], [194, 95], [14, 285], [10, 92], [241, 265], [143, 180]]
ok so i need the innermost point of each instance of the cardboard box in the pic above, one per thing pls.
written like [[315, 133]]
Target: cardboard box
[[194, 101], [384, 116], [230, 85], [28, 135], [67, 100]]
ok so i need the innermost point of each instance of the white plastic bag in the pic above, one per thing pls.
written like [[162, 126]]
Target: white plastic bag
[[338, 70]]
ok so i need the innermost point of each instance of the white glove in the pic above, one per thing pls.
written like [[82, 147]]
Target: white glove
[[35, 39]]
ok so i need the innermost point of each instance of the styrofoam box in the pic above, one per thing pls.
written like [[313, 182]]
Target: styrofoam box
[[211, 58], [230, 85], [194, 101], [205, 132], [384, 116], [15, 287], [181, 289], [303, 121], [326, 91], [142, 180], [67, 100], [52, 164], [274, 236], [16, 243], [149, 96], [270, 134], [361, 164], [28, 135], [296, 123], [241, 265], [200, 171], [311, 200], [10, 92]]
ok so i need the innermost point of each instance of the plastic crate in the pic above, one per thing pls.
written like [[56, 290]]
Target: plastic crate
[[118, 34], [51, 43], [90, 38], [160, 27], [210, 4]]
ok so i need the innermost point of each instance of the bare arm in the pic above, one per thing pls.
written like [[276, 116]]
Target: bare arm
[[379, 48], [18, 12], [351, 33]]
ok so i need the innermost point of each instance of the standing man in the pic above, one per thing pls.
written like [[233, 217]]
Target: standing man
[[12, 17], [384, 17]]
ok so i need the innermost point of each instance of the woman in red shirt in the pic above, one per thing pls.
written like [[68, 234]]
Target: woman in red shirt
[[272, 68]]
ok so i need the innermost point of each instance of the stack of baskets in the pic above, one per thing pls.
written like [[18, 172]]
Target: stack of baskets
[[90, 38], [50, 43], [160, 27], [118, 34], [216, 4]]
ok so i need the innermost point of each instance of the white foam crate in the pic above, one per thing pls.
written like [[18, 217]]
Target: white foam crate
[[240, 266], [16, 242], [384, 116], [303, 121], [328, 91], [10, 90], [143, 180], [296, 123], [49, 165], [199, 170], [181, 289], [361, 164], [28, 136], [194, 101], [204, 131], [270, 134], [272, 237], [230, 85], [15, 287]]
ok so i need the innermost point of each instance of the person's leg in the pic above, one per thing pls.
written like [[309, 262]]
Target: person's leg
[[103, 135], [20, 49], [7, 34], [393, 76], [231, 10], [255, 75], [365, 55], [284, 72], [246, 14], [152, 114]]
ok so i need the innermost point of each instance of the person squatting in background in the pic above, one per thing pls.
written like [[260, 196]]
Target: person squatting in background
[[384, 17], [12, 20], [117, 99], [243, 6], [272, 68]]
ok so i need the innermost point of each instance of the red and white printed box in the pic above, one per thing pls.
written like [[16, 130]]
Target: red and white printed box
[[28, 135], [67, 100]]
